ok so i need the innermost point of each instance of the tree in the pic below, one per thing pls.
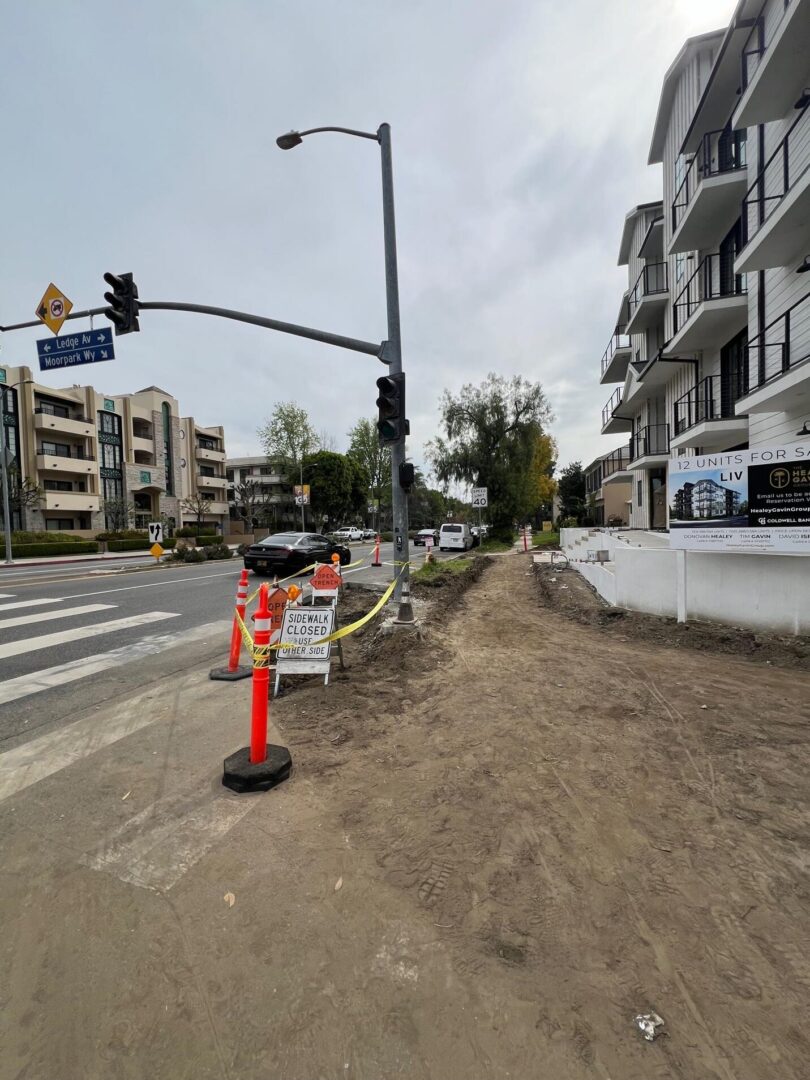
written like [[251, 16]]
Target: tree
[[491, 432], [571, 491], [289, 435], [545, 486], [118, 514], [250, 502], [364, 447], [197, 505], [330, 478]]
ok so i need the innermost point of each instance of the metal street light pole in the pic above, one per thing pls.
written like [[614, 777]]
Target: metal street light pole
[[393, 352]]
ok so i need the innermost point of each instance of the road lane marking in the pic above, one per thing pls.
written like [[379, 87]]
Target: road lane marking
[[57, 613], [149, 585], [6, 595], [32, 603], [79, 633], [49, 678]]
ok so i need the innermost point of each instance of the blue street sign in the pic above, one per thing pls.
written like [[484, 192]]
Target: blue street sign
[[83, 347]]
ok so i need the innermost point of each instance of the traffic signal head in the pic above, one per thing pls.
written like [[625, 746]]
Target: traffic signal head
[[391, 423], [123, 301]]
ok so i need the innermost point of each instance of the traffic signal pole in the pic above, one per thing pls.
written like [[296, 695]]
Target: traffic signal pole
[[399, 498]]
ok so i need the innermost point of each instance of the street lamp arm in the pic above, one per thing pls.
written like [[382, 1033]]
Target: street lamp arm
[[375, 135]]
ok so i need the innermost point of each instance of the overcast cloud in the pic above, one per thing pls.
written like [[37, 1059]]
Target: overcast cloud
[[141, 137]]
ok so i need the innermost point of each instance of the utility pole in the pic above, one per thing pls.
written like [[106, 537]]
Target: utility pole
[[399, 497], [6, 509], [303, 519]]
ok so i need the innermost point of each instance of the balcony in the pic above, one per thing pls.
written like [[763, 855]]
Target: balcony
[[774, 73], [616, 466], [216, 507], [80, 501], [146, 446], [649, 447], [203, 453], [611, 423], [707, 203], [45, 420], [76, 461], [776, 373], [647, 298], [711, 307], [211, 481], [705, 415], [776, 208], [616, 357]]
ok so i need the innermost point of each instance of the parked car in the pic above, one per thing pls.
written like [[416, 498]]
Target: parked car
[[369, 534], [423, 534], [351, 532], [286, 553], [455, 537]]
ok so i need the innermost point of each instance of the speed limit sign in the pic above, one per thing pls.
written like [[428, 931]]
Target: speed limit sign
[[479, 498]]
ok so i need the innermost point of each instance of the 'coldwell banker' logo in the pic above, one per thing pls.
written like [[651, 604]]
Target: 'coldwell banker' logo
[[780, 478]]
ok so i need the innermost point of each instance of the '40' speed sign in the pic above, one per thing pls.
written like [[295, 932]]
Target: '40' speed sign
[[479, 497]]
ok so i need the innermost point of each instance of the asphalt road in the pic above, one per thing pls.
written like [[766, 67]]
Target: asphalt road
[[74, 636]]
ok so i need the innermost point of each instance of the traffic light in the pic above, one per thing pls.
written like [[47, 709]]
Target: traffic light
[[391, 422], [123, 301]]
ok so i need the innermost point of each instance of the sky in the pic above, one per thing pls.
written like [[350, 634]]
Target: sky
[[141, 137]]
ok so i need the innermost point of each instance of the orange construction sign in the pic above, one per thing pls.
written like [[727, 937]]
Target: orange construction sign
[[325, 579], [277, 601]]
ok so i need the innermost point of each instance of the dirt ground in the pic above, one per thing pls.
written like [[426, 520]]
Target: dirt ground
[[500, 842], [587, 828]]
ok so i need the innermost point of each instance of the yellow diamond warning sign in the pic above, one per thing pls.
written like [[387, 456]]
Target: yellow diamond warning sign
[[54, 308], [156, 550]]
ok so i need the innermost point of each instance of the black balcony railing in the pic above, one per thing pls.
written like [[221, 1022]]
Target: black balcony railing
[[614, 402], [620, 340], [593, 481], [616, 461], [714, 279], [778, 176], [712, 399], [652, 281], [781, 347], [65, 452], [720, 151], [652, 439], [49, 410]]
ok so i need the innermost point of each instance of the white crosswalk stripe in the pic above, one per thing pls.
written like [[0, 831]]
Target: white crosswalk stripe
[[6, 595], [49, 616], [80, 633], [30, 603]]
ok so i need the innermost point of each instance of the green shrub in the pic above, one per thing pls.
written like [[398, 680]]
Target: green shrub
[[208, 539], [386, 537], [185, 531], [568, 523], [195, 555], [242, 549], [218, 551], [125, 534], [40, 537], [42, 550]]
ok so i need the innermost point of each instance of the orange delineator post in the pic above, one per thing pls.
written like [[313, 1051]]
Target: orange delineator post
[[525, 540], [376, 560], [236, 634], [261, 681]]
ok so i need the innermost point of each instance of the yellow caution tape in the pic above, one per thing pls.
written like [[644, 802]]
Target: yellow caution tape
[[306, 570], [259, 653]]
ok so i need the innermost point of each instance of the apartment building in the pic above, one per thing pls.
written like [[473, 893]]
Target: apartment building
[[81, 447], [713, 333], [608, 490], [271, 487]]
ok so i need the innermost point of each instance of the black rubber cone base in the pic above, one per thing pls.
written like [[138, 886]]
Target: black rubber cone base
[[222, 673], [239, 775]]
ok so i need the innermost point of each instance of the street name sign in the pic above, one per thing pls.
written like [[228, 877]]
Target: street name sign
[[479, 498], [156, 532], [53, 308], [85, 347]]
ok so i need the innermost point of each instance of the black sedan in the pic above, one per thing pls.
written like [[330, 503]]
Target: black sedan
[[286, 553]]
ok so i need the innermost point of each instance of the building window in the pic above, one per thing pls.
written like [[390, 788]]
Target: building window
[[206, 470], [639, 489], [679, 265], [266, 470], [57, 485], [229, 475], [111, 456], [167, 447], [110, 424], [56, 449], [50, 408], [60, 524]]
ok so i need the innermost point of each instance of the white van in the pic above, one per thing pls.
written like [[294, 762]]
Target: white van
[[455, 537]]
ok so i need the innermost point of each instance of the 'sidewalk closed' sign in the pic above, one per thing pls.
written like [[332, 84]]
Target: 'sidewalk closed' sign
[[744, 500]]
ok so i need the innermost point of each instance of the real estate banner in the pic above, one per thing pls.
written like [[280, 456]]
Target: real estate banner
[[741, 500]]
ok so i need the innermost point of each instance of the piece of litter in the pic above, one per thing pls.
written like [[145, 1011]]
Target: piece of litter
[[339, 884], [229, 899], [648, 1024], [704, 706], [126, 796]]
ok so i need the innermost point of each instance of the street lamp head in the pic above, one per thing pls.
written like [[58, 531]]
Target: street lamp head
[[288, 141]]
